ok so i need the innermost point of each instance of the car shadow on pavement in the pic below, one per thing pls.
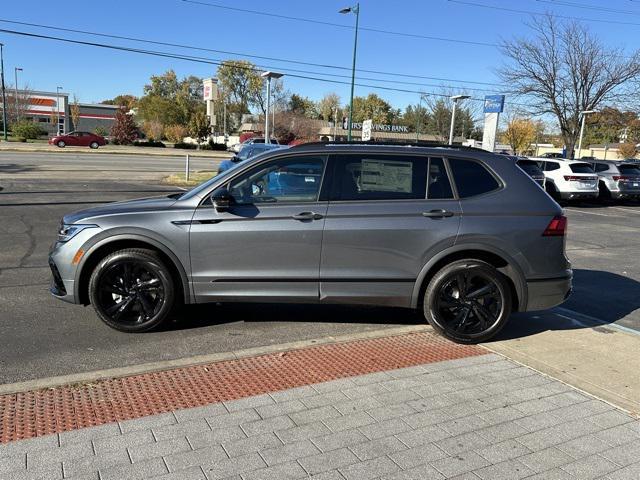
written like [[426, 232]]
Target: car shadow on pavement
[[196, 316], [598, 294]]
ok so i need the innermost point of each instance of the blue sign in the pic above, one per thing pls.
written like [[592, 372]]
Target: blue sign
[[493, 103]]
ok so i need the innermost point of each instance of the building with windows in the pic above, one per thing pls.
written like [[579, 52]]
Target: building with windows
[[50, 108]]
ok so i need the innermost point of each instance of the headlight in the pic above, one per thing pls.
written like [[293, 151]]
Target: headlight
[[67, 232]]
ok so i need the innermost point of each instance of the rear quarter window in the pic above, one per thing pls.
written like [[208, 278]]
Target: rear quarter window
[[629, 169], [472, 178]]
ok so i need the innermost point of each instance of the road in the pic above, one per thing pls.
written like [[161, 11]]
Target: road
[[41, 337]]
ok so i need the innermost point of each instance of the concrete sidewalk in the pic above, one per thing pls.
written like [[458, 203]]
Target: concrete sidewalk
[[481, 416], [111, 149]]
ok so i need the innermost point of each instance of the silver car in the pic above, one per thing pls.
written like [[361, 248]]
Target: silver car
[[463, 235], [617, 180]]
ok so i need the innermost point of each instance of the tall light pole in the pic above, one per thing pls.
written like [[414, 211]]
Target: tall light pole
[[455, 99], [15, 71], [418, 118], [268, 76], [583, 114], [58, 109], [4, 95], [356, 10]]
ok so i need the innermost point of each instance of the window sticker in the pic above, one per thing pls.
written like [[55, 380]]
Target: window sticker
[[386, 176]]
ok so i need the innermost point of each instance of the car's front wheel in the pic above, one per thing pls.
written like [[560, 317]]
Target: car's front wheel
[[61, 144], [94, 145], [132, 290], [467, 301]]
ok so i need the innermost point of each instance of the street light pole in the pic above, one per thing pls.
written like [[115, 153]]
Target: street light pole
[[583, 114], [268, 76], [4, 95], [418, 119], [455, 99], [356, 10], [15, 71], [58, 109]]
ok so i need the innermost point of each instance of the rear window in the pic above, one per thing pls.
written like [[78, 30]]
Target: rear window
[[629, 169], [529, 166], [472, 178], [581, 168]]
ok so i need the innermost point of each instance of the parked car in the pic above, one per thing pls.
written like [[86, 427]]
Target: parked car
[[246, 152], [460, 234], [78, 139], [250, 141], [569, 179], [617, 180], [551, 155], [532, 169]]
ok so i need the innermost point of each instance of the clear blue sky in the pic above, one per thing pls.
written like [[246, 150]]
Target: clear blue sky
[[95, 74]]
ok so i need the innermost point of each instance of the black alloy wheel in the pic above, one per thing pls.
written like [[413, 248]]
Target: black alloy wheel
[[132, 290], [468, 301]]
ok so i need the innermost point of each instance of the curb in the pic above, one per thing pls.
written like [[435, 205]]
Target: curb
[[88, 377]]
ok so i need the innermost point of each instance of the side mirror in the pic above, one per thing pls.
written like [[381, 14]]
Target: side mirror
[[221, 199], [235, 159]]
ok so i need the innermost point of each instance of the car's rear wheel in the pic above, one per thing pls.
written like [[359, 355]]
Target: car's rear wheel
[[468, 301], [94, 145], [61, 143], [132, 290], [604, 195]]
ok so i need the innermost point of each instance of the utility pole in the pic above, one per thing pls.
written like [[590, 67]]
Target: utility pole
[[4, 95], [15, 71]]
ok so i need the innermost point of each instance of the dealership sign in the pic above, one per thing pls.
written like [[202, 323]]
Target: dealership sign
[[493, 103], [210, 89]]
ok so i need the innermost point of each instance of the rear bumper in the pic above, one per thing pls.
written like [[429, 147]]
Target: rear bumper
[[543, 294], [577, 195], [625, 194]]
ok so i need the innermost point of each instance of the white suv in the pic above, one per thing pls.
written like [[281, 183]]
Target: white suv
[[569, 179]]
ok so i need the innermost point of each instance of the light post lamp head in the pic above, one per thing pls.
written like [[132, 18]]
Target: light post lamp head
[[455, 98], [587, 112], [270, 74], [346, 10]]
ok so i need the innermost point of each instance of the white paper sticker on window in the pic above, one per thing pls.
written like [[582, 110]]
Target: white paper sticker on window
[[386, 176]]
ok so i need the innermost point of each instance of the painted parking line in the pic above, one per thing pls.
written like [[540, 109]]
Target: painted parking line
[[627, 210], [590, 213], [587, 321]]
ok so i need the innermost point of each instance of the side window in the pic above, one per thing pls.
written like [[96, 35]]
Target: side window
[[291, 179], [438, 186], [601, 167], [379, 177], [471, 178], [552, 166]]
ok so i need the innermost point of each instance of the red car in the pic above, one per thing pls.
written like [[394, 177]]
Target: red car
[[78, 139]]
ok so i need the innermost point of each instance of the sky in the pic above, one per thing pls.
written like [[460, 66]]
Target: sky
[[94, 74]]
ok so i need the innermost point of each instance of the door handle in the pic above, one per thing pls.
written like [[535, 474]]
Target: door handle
[[307, 216], [437, 214]]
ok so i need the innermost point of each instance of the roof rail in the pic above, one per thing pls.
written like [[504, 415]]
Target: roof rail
[[386, 143]]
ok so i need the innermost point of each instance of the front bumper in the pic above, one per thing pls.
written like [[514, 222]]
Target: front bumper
[[543, 294]]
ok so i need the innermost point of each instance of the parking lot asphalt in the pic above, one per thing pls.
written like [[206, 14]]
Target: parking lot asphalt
[[43, 337]]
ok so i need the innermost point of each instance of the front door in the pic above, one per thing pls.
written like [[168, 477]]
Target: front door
[[388, 215], [266, 246]]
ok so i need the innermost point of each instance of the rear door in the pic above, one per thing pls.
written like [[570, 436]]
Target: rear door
[[381, 228]]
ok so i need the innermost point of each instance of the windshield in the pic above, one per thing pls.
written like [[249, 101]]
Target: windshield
[[581, 168]]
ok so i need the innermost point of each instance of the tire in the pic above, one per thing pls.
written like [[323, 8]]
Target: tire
[[456, 315], [61, 144], [94, 145], [117, 282], [552, 191]]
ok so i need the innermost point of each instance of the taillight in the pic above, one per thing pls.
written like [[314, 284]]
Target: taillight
[[557, 227], [621, 177], [575, 178]]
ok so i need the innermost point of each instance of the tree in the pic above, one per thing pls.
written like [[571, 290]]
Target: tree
[[199, 127], [519, 134], [372, 107], [440, 109], [609, 125], [17, 105], [627, 150], [241, 82], [26, 130], [153, 129], [304, 106], [417, 118], [75, 112], [564, 70], [126, 100], [124, 130], [176, 133], [328, 105], [168, 100]]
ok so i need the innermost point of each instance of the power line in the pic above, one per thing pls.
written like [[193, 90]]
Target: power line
[[226, 52], [588, 7], [340, 25], [215, 62], [531, 12]]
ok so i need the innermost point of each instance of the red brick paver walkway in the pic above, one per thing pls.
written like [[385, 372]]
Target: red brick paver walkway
[[41, 412]]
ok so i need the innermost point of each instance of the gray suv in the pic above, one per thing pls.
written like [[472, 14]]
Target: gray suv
[[461, 234], [617, 180]]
